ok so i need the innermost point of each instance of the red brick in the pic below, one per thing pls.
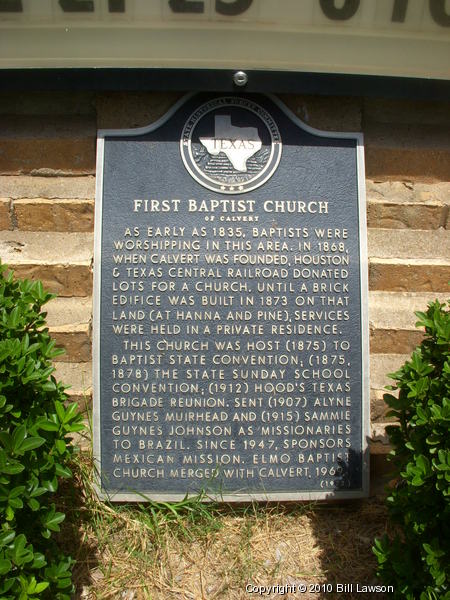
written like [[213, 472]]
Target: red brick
[[5, 213], [412, 152], [40, 214], [47, 145]]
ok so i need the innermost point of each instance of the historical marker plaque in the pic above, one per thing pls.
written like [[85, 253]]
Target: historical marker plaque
[[230, 310]]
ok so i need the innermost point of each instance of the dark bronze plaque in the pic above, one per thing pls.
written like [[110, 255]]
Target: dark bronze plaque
[[230, 317]]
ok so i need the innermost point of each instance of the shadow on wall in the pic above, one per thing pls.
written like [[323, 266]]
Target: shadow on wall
[[74, 537], [319, 545], [344, 531], [350, 474]]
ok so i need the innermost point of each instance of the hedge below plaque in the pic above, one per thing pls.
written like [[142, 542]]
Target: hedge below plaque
[[416, 561], [35, 423]]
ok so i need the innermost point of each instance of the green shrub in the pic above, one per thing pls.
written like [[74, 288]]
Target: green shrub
[[34, 448], [415, 558]]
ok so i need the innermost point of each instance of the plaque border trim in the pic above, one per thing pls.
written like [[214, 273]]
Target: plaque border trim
[[364, 298]]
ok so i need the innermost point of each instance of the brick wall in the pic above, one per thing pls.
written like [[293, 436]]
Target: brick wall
[[47, 183]]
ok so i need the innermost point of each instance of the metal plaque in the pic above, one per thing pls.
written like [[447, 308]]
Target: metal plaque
[[230, 307]]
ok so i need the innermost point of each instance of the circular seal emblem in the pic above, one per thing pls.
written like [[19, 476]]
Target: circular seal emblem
[[230, 145]]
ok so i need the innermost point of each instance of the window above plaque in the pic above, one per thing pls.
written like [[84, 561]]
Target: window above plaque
[[399, 38]]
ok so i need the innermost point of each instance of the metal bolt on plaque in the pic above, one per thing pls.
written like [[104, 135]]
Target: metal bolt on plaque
[[240, 78]]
